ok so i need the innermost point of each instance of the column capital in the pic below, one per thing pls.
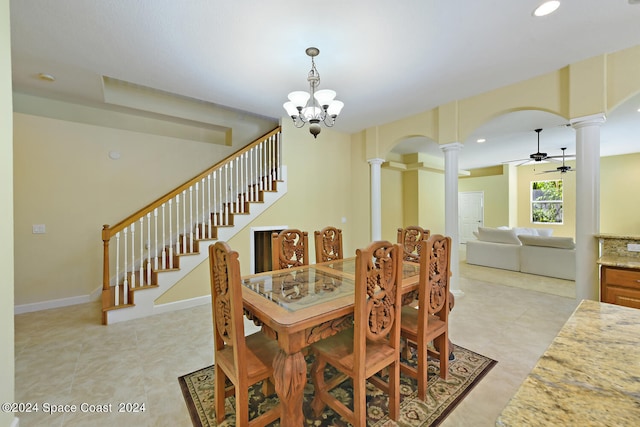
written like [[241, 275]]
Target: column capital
[[375, 161], [453, 146], [593, 119]]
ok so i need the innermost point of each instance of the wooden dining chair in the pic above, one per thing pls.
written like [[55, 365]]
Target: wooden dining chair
[[410, 238], [372, 344], [243, 360], [430, 321], [328, 244], [289, 249]]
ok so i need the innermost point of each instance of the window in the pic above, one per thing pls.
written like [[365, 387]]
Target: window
[[546, 202]]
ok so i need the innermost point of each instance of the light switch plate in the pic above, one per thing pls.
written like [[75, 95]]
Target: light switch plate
[[633, 247], [38, 229]]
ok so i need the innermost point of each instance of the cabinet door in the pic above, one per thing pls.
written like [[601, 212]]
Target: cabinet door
[[623, 296], [620, 286]]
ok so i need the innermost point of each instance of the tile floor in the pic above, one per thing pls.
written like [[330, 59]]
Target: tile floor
[[64, 356]]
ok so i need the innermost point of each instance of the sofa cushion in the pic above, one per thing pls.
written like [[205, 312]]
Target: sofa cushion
[[488, 234], [552, 242], [545, 231]]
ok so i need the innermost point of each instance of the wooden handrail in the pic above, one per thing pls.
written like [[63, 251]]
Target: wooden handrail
[[108, 232]]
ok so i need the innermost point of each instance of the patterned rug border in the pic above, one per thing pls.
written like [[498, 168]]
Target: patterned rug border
[[196, 411]]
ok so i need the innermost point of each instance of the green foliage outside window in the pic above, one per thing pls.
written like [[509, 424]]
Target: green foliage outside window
[[546, 201]]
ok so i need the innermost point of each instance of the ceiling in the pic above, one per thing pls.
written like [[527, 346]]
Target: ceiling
[[386, 60]]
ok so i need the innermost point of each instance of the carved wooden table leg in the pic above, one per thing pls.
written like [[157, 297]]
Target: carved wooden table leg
[[290, 377]]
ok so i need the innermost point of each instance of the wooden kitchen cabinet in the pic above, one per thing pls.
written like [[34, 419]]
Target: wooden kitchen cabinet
[[620, 286]]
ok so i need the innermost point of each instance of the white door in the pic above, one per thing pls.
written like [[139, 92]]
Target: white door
[[471, 213]]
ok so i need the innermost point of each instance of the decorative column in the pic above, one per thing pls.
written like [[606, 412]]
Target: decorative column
[[451, 210], [376, 199], [587, 204]]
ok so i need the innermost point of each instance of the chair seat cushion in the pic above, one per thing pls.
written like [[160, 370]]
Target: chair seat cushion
[[261, 350], [338, 351]]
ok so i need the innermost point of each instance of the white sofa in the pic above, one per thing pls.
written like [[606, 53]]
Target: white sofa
[[528, 252]]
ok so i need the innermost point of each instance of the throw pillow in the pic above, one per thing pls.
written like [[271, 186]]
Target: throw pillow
[[494, 235]]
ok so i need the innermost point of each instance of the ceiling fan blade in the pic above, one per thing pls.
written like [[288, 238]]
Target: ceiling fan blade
[[561, 156]]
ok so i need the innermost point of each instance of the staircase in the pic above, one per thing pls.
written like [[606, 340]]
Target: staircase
[[152, 249]]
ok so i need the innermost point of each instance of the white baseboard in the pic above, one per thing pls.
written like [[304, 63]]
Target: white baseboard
[[57, 303], [181, 305]]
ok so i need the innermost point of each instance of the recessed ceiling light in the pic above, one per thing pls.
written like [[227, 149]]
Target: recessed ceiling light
[[546, 8], [46, 77], [481, 140]]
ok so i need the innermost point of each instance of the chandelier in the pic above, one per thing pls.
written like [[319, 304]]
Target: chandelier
[[316, 106]]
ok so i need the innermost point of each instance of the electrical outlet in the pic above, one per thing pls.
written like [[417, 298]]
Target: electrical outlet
[[633, 247], [38, 229]]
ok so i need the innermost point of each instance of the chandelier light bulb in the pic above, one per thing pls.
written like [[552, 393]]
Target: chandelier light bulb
[[316, 107]]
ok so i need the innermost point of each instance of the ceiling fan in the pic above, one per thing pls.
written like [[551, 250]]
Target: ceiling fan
[[562, 169], [537, 156]]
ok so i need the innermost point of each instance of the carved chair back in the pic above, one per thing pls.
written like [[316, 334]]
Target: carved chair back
[[328, 244], [435, 276], [410, 238], [430, 322], [226, 301], [242, 360], [289, 249], [373, 343]]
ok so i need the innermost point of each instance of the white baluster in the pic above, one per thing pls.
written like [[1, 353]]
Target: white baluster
[[221, 210], [191, 219], [178, 251], [279, 160], [170, 235], [226, 194], [250, 175], [117, 295], [232, 206], [269, 169], [184, 221], [197, 197], [164, 241], [155, 239], [149, 248], [256, 176], [125, 283], [261, 166], [236, 192], [133, 255], [214, 206], [209, 205], [141, 273], [243, 189], [203, 235]]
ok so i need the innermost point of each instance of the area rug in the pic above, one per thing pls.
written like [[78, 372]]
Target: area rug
[[465, 371]]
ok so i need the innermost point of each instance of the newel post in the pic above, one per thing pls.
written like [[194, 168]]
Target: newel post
[[106, 290]]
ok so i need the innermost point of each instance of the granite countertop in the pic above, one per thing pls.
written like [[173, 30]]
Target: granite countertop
[[619, 261], [587, 377], [617, 236]]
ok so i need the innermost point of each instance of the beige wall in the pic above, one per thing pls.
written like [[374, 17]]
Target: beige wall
[[6, 229], [392, 203], [620, 194], [65, 180], [496, 196]]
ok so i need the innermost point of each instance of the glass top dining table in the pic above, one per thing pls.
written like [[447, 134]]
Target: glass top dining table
[[298, 288], [300, 306]]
